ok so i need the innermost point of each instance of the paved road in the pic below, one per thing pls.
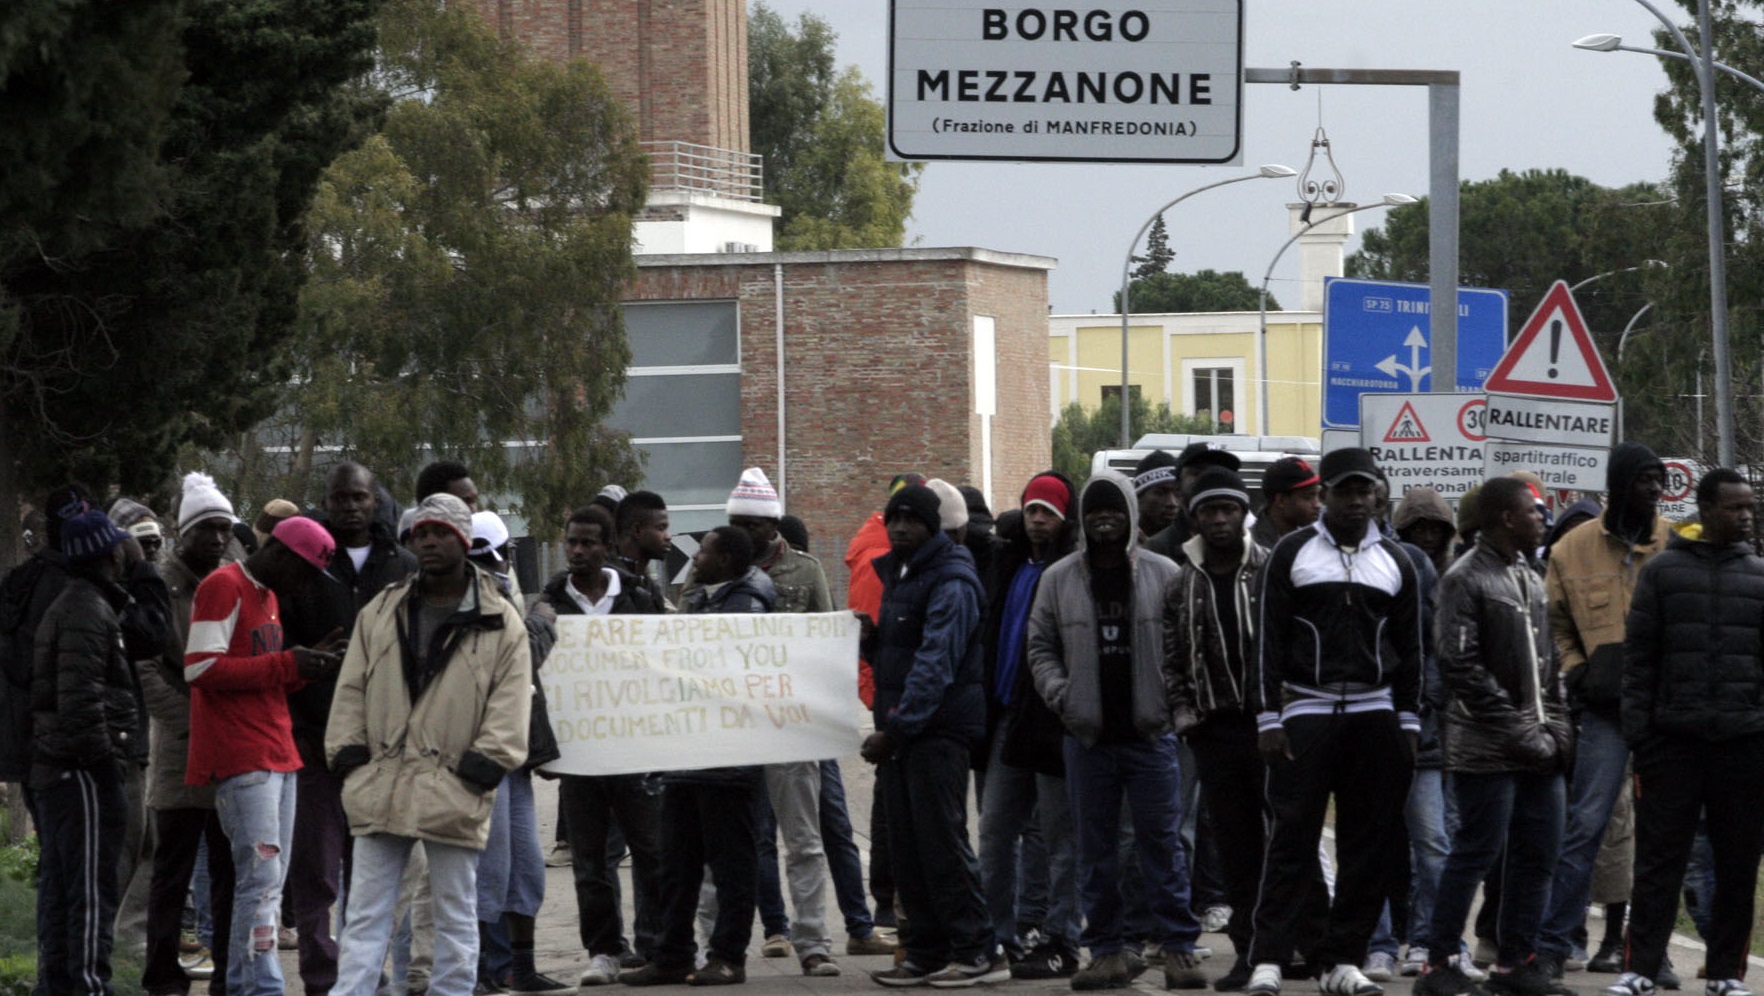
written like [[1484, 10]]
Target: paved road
[[559, 951]]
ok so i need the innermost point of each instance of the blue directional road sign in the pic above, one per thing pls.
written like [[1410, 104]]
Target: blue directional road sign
[[1375, 340]]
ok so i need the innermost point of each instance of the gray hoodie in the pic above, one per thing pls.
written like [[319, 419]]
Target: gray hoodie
[[1062, 631]]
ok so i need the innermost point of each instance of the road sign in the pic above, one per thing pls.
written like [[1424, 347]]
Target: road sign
[[1554, 355], [1549, 420], [1156, 81], [1678, 499], [1571, 468], [1425, 440], [1375, 340]]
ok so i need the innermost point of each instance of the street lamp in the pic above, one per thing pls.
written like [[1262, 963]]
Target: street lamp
[[1703, 63], [1614, 43], [1268, 172], [1388, 200], [1646, 264]]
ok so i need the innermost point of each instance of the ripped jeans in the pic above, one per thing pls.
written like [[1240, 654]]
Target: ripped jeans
[[256, 811]]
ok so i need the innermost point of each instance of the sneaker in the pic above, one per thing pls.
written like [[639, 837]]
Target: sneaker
[[539, 984], [1529, 979], [904, 974], [870, 944], [1447, 980], [631, 959], [718, 972], [820, 966], [1630, 984], [1380, 966], [1726, 987], [1111, 971], [1348, 980], [1667, 979], [199, 965], [1608, 959], [1049, 960], [1264, 979], [487, 987], [776, 946], [287, 938], [1474, 973], [1182, 970], [1153, 952], [1234, 980], [602, 970], [559, 856], [656, 975], [1413, 961], [1215, 919], [960, 975]]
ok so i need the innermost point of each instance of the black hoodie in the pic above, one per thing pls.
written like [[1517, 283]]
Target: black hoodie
[[1628, 462]]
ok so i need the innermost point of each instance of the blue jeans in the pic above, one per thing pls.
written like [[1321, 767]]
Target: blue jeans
[[373, 895], [1145, 774], [1425, 815], [511, 868], [1522, 813], [1014, 799], [844, 862], [256, 810], [768, 886], [1600, 763]]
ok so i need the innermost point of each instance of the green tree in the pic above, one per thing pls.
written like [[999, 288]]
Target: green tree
[[468, 267], [1180, 293], [1080, 431], [1158, 254], [821, 133], [162, 317]]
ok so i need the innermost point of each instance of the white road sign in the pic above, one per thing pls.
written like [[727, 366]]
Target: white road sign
[[1573, 468], [1148, 81], [1551, 420], [1425, 440]]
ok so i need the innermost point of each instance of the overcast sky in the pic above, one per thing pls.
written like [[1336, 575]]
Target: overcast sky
[[1529, 100]]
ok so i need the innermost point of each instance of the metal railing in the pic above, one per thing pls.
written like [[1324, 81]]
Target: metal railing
[[705, 168]]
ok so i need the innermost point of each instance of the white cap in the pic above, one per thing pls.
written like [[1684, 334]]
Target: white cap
[[489, 534], [952, 505]]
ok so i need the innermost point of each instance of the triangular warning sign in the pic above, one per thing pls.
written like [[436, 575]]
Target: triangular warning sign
[[1407, 427], [1554, 355]]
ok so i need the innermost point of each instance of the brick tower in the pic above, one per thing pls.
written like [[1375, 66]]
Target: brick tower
[[681, 67]]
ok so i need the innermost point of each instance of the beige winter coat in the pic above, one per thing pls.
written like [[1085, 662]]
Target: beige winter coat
[[431, 772]]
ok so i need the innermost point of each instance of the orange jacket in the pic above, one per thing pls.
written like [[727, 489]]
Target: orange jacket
[[863, 590]]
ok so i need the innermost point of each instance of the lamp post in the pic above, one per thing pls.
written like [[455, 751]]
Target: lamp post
[[1646, 264], [1269, 172], [1614, 43], [1703, 63], [1388, 200]]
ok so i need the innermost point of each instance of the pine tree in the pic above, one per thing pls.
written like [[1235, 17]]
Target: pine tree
[[1158, 254]]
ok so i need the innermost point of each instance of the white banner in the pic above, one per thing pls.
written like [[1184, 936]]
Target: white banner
[[630, 694]]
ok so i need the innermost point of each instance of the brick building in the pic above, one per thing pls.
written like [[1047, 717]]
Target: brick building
[[931, 360]]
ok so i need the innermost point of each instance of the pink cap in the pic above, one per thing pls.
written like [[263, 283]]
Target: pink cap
[[307, 538]]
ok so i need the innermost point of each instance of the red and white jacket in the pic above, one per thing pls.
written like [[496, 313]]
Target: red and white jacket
[[239, 678]]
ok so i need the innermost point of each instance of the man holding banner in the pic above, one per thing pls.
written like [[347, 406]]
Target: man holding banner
[[930, 711]]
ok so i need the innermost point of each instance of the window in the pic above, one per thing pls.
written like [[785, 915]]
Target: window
[[1213, 390], [682, 404]]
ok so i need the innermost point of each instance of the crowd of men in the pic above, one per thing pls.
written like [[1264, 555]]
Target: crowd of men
[[1160, 699]]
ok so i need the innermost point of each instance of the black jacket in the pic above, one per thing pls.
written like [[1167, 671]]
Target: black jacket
[[1693, 657], [752, 592], [329, 603], [1034, 736], [83, 688], [1506, 712]]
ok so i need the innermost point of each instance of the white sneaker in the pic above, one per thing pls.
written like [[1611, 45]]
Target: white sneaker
[[1215, 919], [603, 970], [1412, 961], [1348, 980], [1380, 966], [1630, 984], [1469, 968], [1264, 979], [1726, 987]]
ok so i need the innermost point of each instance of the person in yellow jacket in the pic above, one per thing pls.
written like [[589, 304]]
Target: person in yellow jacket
[[1591, 578], [432, 711]]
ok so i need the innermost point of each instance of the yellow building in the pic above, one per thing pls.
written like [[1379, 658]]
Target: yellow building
[[1206, 362]]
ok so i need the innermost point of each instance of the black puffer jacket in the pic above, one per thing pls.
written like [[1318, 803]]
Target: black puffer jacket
[[83, 691], [1507, 712], [1691, 657]]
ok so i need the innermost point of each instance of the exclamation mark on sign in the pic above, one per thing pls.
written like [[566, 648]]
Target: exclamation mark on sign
[[1555, 343]]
